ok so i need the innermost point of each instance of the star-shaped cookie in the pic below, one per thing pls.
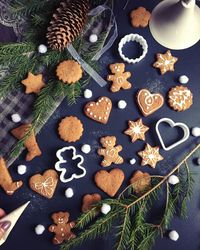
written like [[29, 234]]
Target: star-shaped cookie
[[33, 83], [136, 130], [165, 62], [150, 156]]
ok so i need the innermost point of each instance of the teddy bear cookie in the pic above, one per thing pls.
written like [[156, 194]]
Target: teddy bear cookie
[[89, 200], [30, 143], [110, 151], [119, 77], [140, 17], [61, 228], [180, 98], [6, 182]]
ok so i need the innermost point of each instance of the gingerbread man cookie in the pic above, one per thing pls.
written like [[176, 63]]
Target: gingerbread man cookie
[[110, 152], [119, 77], [61, 228]]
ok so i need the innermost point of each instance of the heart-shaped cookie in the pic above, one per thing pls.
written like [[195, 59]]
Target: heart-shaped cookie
[[99, 111], [149, 103], [109, 182], [45, 184]]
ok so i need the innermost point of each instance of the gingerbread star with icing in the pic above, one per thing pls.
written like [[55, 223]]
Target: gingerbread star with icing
[[33, 83], [136, 130], [150, 156], [165, 62]]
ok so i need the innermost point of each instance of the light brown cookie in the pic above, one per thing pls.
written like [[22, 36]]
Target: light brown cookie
[[61, 227], [69, 71], [150, 156], [33, 83], [136, 130], [45, 184], [89, 200], [165, 62], [148, 102], [70, 129], [99, 111], [109, 182], [140, 181], [110, 152], [140, 17], [180, 98], [30, 143], [119, 77], [6, 182]]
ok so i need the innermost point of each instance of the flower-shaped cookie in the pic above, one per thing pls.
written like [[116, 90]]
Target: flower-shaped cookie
[[140, 17]]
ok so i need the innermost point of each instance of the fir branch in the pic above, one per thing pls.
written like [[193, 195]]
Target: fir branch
[[86, 218]]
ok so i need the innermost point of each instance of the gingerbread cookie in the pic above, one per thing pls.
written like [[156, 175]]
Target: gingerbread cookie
[[165, 62], [70, 129], [109, 182], [30, 143], [140, 17], [140, 181], [180, 98], [62, 227], [99, 111], [45, 184], [6, 182], [150, 156], [69, 71], [110, 152], [89, 200], [119, 77], [148, 102], [33, 83], [136, 130]]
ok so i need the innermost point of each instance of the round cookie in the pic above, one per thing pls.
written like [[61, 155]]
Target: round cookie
[[180, 98], [69, 71], [70, 129]]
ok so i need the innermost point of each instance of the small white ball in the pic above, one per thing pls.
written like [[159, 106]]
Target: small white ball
[[87, 93], [195, 131], [21, 169], [122, 104], [86, 148], [93, 38], [16, 118], [173, 180], [39, 229], [183, 79], [69, 193], [198, 161], [173, 235], [132, 161], [105, 209], [42, 48]]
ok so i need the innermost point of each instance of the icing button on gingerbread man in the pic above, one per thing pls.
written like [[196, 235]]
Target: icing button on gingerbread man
[[61, 228], [110, 152], [119, 77]]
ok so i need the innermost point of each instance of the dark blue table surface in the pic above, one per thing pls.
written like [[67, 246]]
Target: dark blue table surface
[[143, 76]]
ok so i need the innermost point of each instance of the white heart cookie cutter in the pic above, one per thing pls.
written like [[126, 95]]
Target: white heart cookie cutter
[[172, 124], [63, 170]]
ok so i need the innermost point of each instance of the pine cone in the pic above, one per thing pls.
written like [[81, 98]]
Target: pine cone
[[67, 23]]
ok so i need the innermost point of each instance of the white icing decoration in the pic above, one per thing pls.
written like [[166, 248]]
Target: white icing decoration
[[46, 187]]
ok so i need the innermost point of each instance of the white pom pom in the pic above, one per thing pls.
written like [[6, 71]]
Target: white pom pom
[[93, 38], [16, 118], [69, 193], [122, 104], [87, 93], [198, 161], [196, 132], [173, 235], [105, 209], [39, 229], [42, 48], [21, 169], [183, 79], [86, 148], [132, 161], [173, 180]]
